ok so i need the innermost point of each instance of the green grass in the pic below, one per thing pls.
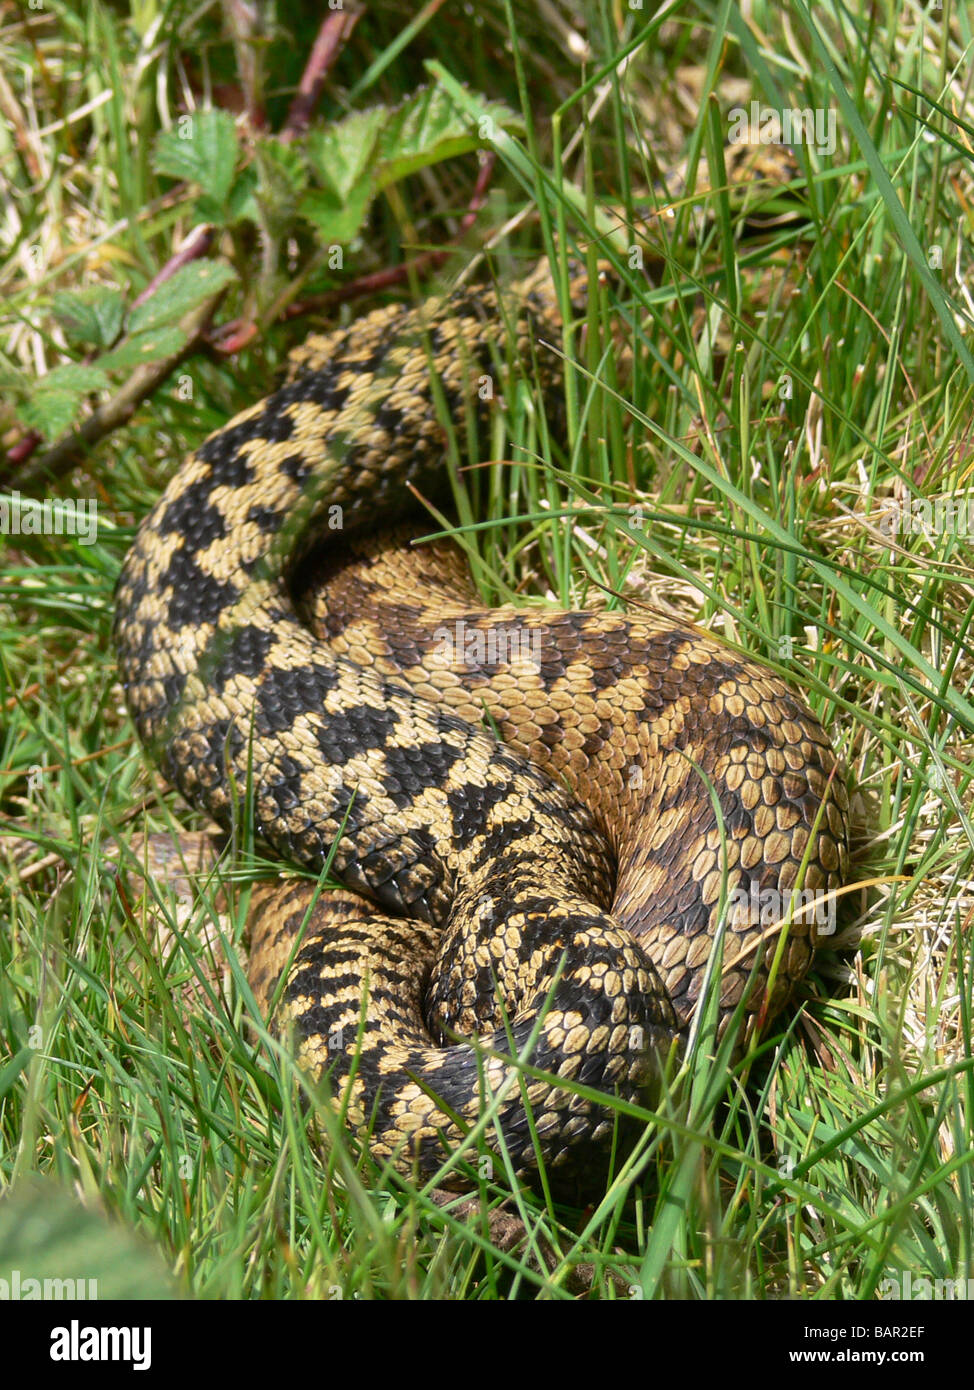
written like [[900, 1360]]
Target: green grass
[[739, 422]]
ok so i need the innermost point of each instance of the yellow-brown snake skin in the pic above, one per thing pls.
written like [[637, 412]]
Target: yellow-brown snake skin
[[573, 871]]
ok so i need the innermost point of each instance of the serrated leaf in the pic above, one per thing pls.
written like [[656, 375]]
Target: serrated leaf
[[75, 376], [211, 209], [151, 346], [342, 158], [429, 128], [202, 148], [342, 155], [333, 220], [356, 158], [47, 1236], [50, 413], [241, 204], [282, 166], [190, 285], [92, 315], [282, 180]]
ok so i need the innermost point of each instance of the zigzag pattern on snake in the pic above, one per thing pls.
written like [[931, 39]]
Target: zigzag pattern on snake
[[562, 885]]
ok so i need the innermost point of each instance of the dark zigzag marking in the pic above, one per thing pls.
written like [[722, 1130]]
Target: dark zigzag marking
[[411, 769], [193, 516], [470, 806], [196, 596], [387, 985], [267, 519], [245, 654], [283, 694], [222, 450], [343, 734]]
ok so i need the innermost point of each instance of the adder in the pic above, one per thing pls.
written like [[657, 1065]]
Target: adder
[[539, 818]]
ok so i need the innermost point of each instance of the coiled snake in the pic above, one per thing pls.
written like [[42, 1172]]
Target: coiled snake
[[555, 893]]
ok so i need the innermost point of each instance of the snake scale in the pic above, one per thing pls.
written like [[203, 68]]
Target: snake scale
[[532, 812]]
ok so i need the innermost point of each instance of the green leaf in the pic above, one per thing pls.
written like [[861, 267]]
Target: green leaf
[[190, 285], [92, 315], [202, 149], [209, 209], [336, 221], [50, 413], [47, 1235], [341, 155], [151, 346], [76, 377], [241, 204], [342, 158], [429, 128], [282, 178], [356, 158], [11, 1070]]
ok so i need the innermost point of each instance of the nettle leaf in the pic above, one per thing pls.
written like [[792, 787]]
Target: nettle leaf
[[57, 400], [190, 285], [341, 154], [282, 171], [282, 177], [50, 413], [336, 220], [429, 128], [201, 148], [209, 209], [241, 205], [341, 157], [93, 315], [356, 158], [151, 346]]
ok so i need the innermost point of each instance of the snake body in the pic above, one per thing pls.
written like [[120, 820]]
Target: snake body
[[548, 881]]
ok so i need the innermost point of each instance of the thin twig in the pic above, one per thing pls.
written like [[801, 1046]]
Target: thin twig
[[197, 244], [74, 448], [332, 35], [244, 20]]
